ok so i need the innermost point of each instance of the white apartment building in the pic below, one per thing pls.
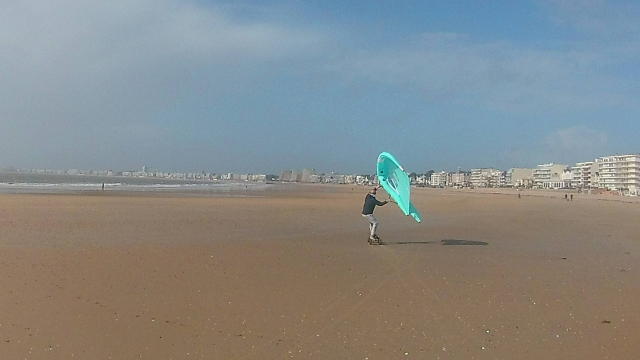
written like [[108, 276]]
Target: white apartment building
[[551, 176], [459, 179], [258, 177], [486, 177], [583, 175], [438, 179], [620, 173], [503, 179]]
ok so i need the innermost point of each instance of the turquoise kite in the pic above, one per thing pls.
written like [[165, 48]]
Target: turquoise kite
[[396, 183]]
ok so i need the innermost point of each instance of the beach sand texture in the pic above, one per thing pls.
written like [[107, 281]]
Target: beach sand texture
[[288, 274]]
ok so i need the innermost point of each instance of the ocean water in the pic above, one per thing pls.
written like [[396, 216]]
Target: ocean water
[[13, 182]]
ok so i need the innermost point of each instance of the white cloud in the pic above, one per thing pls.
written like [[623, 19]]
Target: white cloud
[[553, 77], [577, 138], [454, 68], [611, 26], [44, 31], [73, 68], [57, 54], [563, 146], [578, 143], [599, 17]]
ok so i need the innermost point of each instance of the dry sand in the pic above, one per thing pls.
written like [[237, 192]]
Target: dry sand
[[288, 274]]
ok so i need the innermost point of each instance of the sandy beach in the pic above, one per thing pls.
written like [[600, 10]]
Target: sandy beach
[[288, 274]]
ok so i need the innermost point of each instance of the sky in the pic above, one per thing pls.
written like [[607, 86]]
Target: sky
[[265, 86]]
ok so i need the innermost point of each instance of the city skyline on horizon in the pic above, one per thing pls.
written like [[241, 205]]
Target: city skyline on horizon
[[447, 170]]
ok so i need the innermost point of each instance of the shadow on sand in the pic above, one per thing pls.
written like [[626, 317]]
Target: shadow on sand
[[442, 242], [463, 242]]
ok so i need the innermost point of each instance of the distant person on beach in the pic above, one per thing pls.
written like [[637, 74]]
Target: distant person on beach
[[370, 203], [571, 197]]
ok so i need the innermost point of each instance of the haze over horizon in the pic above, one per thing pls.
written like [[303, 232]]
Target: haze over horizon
[[262, 87]]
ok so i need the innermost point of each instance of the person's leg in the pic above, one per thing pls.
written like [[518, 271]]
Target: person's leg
[[373, 224]]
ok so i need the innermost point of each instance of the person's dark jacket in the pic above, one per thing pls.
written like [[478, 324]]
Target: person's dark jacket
[[370, 203]]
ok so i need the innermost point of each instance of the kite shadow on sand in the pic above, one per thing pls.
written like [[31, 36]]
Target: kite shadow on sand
[[441, 242]]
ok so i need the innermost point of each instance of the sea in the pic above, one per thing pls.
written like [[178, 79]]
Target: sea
[[18, 182]]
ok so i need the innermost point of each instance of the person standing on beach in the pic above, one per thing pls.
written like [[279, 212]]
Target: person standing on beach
[[370, 203]]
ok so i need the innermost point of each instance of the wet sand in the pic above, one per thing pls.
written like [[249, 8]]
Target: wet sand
[[288, 274]]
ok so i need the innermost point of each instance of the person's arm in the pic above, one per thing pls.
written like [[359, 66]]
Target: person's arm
[[381, 203]]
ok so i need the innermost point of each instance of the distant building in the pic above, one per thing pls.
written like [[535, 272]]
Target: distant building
[[486, 177], [258, 177], [309, 175], [296, 176], [552, 176], [620, 173], [519, 177], [349, 179], [460, 178], [422, 180], [438, 179], [363, 180], [285, 176], [583, 175], [503, 179]]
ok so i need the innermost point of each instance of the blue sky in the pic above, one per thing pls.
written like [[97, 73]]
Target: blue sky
[[260, 87]]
